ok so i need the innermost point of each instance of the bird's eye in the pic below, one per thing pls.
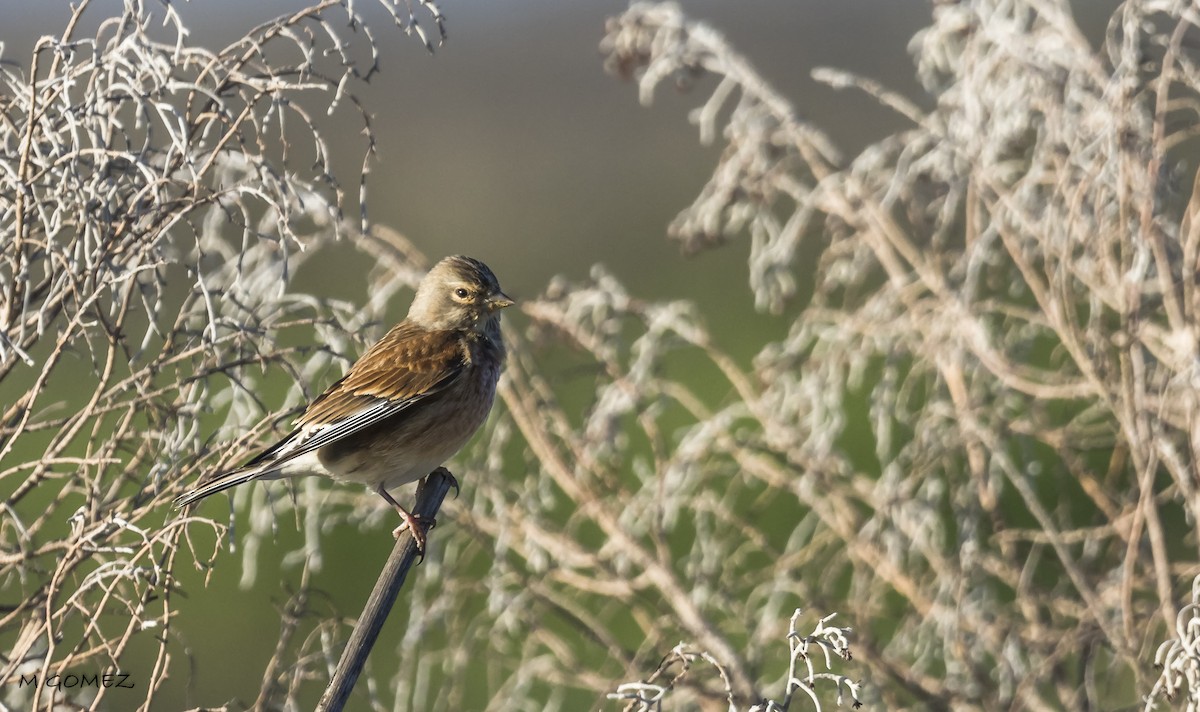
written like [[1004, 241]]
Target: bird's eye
[[461, 293]]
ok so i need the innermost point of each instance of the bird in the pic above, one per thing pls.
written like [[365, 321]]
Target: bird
[[410, 403]]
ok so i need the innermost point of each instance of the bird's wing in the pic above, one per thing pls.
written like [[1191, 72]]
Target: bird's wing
[[405, 366]]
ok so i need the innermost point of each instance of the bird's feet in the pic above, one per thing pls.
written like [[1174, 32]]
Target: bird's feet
[[416, 524]]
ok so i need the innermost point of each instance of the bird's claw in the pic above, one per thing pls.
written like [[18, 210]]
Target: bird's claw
[[445, 473], [419, 527]]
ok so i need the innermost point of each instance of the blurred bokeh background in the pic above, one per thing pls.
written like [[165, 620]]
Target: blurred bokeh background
[[511, 144]]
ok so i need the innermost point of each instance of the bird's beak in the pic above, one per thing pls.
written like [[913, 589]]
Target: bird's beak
[[499, 301]]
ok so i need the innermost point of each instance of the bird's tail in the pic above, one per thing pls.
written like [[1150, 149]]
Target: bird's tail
[[224, 481]]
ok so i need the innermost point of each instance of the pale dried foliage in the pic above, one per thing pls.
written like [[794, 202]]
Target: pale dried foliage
[[1179, 657], [1009, 288], [977, 443], [829, 641], [154, 199]]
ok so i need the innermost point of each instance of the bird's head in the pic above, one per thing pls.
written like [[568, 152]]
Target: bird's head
[[458, 293]]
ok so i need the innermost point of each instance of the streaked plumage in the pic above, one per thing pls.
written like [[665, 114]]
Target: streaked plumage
[[409, 404]]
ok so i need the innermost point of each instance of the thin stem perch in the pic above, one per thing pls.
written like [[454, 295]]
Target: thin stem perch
[[429, 500]]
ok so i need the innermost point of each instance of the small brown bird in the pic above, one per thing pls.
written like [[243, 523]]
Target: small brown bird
[[408, 405]]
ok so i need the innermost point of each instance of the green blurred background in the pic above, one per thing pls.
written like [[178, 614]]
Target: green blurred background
[[511, 144]]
